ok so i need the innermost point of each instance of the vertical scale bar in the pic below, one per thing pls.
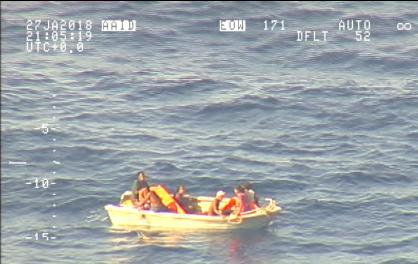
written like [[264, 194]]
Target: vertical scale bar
[[54, 107]]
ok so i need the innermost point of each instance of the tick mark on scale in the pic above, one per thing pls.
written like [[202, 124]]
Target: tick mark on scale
[[18, 163]]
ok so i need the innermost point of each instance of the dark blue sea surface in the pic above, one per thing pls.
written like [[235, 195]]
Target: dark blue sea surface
[[330, 130]]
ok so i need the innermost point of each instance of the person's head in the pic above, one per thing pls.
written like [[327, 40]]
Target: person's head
[[220, 195], [181, 189], [247, 186], [142, 176], [239, 189]]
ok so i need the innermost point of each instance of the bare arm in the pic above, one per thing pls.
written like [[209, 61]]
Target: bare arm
[[146, 199], [217, 209]]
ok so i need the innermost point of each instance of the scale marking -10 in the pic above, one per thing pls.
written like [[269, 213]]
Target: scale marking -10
[[41, 183]]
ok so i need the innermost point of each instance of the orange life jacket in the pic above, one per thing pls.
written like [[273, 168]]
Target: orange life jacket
[[230, 204]]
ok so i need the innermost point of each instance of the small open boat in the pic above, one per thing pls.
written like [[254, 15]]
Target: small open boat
[[133, 218]]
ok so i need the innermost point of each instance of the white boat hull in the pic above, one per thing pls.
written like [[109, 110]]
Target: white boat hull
[[133, 218]]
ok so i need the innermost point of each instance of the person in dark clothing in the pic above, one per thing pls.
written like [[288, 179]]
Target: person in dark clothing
[[184, 199], [139, 183], [181, 195]]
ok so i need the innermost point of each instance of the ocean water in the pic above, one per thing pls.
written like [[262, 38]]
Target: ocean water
[[329, 129]]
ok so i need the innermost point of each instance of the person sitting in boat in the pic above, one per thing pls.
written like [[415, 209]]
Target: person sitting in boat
[[239, 203], [139, 183], [154, 201], [185, 200], [182, 197], [245, 198], [142, 195], [181, 194], [214, 206], [251, 195], [127, 200]]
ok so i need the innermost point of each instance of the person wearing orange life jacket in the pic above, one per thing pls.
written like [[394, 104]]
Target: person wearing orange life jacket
[[239, 203]]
